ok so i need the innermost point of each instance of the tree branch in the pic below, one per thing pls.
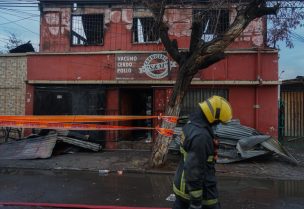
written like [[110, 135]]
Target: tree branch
[[203, 62], [196, 33], [171, 46], [246, 14], [158, 10]]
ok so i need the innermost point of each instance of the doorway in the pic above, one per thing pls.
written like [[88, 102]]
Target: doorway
[[72, 100], [137, 102]]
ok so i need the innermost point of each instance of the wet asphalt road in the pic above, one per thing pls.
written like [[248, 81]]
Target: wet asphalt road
[[141, 190]]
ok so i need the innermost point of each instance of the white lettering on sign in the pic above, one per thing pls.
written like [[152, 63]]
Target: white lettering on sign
[[127, 58], [124, 70], [124, 64], [157, 66]]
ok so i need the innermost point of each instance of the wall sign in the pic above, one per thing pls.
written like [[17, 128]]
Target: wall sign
[[144, 66]]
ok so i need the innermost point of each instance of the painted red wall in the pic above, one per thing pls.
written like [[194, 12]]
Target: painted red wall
[[73, 67], [112, 108], [242, 99], [268, 112], [244, 66], [256, 107], [55, 30]]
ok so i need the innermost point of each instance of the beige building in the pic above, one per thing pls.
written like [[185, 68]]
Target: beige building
[[12, 84]]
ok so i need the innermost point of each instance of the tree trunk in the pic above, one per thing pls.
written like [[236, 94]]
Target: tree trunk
[[200, 56], [160, 148]]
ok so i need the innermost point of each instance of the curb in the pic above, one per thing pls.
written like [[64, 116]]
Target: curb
[[101, 172]]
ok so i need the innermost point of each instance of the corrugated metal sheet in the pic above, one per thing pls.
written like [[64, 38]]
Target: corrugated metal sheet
[[40, 147], [196, 95], [293, 113], [292, 188]]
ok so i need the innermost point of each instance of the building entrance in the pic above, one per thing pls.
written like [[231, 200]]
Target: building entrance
[[137, 102]]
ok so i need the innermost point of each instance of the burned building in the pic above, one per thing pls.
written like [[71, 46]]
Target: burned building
[[106, 58]]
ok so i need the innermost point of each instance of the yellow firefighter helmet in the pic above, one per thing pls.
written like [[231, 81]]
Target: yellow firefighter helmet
[[216, 109]]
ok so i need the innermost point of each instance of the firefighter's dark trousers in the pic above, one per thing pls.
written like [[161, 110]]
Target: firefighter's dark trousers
[[182, 204]]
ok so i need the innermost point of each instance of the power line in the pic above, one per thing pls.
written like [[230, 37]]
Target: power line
[[14, 21], [26, 12], [20, 26], [297, 37]]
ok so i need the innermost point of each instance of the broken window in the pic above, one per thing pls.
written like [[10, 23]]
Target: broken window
[[87, 29], [214, 23], [144, 30]]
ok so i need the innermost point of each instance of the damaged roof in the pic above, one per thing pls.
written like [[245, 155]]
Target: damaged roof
[[296, 84]]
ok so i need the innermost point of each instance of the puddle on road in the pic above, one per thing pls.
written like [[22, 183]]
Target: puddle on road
[[248, 193], [151, 190]]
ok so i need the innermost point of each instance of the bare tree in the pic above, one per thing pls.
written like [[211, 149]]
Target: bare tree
[[280, 27], [202, 54], [13, 41]]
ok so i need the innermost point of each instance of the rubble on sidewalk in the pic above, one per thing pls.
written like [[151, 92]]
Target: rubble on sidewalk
[[80, 143], [41, 147], [238, 143]]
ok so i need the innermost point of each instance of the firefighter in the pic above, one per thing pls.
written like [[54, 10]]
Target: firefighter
[[194, 181]]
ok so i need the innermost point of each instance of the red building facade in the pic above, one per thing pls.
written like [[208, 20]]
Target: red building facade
[[119, 67]]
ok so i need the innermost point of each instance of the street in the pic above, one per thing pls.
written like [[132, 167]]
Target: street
[[138, 190]]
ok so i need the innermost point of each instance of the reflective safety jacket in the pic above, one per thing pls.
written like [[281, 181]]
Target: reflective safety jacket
[[195, 179]]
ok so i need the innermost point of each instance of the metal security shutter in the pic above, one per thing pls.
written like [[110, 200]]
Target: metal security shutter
[[72, 100], [196, 95], [293, 113]]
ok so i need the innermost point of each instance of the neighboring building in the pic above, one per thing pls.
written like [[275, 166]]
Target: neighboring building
[[106, 58], [292, 114], [12, 84]]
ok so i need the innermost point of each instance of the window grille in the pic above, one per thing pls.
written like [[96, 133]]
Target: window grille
[[144, 30], [214, 23], [87, 29]]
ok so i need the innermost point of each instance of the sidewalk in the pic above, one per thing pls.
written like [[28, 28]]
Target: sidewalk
[[119, 160], [137, 161]]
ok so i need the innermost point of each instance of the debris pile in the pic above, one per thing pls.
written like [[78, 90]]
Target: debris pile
[[38, 147], [238, 142]]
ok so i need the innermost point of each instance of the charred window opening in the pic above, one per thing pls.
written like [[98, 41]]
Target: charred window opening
[[144, 30], [87, 29], [214, 22]]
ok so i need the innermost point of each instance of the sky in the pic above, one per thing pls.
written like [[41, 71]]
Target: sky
[[291, 61], [22, 19]]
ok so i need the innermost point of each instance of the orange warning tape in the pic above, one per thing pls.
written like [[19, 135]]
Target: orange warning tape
[[79, 126], [70, 126], [165, 131], [80, 122], [85, 118]]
